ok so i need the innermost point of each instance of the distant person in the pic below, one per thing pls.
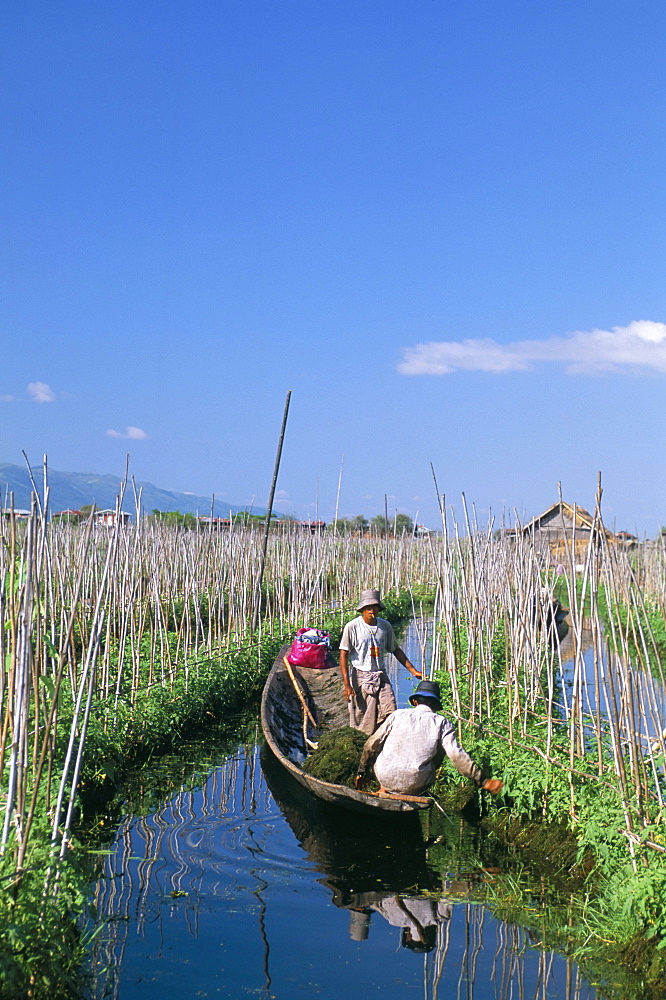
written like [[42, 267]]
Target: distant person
[[363, 647], [409, 746]]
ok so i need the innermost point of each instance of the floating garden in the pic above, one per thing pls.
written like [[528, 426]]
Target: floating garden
[[118, 644]]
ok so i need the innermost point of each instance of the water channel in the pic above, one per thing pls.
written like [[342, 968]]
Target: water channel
[[226, 880]]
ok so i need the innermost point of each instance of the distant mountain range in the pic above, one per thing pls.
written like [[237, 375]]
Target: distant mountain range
[[72, 490]]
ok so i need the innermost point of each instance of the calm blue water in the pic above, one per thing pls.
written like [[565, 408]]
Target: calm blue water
[[239, 885], [228, 891]]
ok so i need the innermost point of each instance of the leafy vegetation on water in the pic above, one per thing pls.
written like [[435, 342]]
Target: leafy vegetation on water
[[42, 943], [337, 756], [147, 722], [573, 820], [42, 946]]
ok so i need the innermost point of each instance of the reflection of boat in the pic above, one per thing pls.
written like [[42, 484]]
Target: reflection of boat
[[297, 704], [360, 857], [371, 866], [380, 870]]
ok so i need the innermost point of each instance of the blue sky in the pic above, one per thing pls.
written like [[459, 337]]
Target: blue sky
[[441, 225]]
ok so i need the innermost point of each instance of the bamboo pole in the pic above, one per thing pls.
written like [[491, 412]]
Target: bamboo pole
[[269, 511]]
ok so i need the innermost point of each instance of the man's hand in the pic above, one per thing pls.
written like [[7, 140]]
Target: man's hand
[[349, 692], [415, 673], [492, 785]]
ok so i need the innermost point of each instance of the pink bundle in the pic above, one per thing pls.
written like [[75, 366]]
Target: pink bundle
[[309, 648]]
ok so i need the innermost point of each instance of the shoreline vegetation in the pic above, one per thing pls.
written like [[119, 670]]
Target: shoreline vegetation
[[117, 644]]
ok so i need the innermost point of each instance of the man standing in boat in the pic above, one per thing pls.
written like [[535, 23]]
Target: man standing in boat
[[364, 644]]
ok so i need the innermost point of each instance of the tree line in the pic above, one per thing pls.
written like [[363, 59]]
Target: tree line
[[379, 525]]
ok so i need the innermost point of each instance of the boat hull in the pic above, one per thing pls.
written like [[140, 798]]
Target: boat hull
[[289, 720]]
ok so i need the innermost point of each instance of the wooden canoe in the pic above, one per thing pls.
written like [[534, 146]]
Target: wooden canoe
[[296, 705]]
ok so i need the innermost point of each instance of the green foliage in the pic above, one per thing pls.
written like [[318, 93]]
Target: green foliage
[[379, 525], [145, 723], [175, 518], [337, 756], [393, 526], [582, 815], [41, 949], [350, 525]]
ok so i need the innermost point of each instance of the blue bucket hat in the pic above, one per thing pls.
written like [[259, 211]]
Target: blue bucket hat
[[429, 690]]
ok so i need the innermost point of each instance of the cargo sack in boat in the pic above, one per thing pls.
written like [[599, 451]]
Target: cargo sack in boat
[[309, 648]]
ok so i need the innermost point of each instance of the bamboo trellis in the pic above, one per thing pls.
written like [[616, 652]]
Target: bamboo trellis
[[83, 608]]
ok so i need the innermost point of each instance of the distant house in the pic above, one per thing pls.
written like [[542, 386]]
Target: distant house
[[19, 515], [108, 517], [627, 539], [561, 526], [312, 526], [67, 515], [564, 525], [561, 518], [215, 523]]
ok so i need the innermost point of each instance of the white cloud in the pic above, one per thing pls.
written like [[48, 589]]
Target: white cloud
[[281, 495], [40, 392], [639, 346], [6, 399], [133, 433]]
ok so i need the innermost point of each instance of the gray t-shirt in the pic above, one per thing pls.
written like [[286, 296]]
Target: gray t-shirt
[[367, 644]]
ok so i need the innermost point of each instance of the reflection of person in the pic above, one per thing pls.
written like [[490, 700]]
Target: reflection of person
[[410, 745], [365, 641], [359, 922], [418, 919]]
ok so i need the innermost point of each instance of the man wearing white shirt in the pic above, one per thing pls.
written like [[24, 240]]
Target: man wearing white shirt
[[410, 745], [365, 642]]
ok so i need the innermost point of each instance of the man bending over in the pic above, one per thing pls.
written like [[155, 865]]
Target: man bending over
[[409, 746]]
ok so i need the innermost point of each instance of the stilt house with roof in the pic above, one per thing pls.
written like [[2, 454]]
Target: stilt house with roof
[[562, 526]]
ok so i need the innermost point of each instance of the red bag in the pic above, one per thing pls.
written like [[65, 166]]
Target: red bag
[[309, 648]]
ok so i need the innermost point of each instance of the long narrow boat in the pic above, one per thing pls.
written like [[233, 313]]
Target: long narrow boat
[[298, 703]]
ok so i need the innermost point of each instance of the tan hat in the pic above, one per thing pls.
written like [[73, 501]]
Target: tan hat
[[368, 598]]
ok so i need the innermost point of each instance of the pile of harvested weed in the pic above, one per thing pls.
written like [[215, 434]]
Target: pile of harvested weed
[[337, 757]]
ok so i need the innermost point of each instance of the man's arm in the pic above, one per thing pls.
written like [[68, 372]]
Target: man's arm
[[370, 752], [401, 657], [463, 763], [344, 670], [460, 759]]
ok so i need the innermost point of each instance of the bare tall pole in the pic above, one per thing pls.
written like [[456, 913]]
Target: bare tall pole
[[337, 499], [269, 511]]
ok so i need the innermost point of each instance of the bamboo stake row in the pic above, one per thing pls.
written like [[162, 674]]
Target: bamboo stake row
[[102, 614]]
